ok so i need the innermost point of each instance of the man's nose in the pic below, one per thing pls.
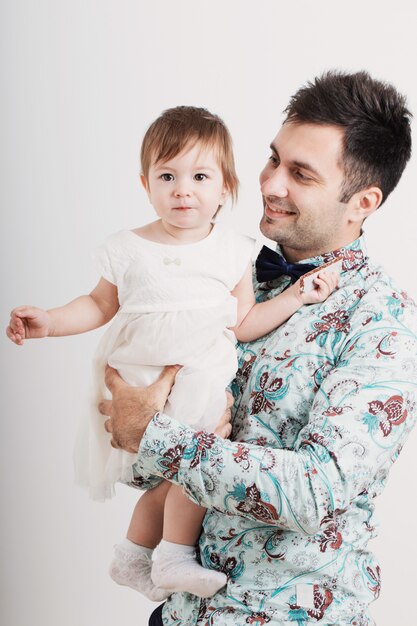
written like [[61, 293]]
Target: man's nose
[[274, 183]]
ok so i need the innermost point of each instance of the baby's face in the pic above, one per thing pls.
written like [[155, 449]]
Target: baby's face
[[187, 190]]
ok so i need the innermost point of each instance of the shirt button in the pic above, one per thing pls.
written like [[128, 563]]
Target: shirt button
[[247, 357]]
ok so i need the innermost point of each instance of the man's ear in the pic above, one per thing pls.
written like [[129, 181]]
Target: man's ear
[[364, 203]]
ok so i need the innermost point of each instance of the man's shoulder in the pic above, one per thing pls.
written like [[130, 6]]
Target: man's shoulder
[[378, 283], [380, 298]]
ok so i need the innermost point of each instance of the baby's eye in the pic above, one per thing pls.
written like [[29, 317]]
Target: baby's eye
[[167, 177], [200, 177]]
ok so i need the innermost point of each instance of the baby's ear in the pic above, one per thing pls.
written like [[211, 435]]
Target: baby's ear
[[144, 183], [224, 196]]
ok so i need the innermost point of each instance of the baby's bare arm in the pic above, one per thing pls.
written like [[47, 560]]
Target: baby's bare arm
[[78, 316], [258, 319]]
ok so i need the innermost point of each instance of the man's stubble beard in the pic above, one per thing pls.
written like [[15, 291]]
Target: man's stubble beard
[[270, 228], [304, 240], [309, 236]]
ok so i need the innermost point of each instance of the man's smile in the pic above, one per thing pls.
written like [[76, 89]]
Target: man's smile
[[272, 209]]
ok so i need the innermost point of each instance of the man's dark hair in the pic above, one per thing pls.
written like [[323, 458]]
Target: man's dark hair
[[375, 120]]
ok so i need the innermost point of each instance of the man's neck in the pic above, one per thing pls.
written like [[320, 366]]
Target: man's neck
[[294, 255]]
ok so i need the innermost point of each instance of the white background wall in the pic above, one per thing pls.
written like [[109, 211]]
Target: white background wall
[[80, 82]]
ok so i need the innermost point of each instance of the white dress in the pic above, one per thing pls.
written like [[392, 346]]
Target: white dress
[[175, 308]]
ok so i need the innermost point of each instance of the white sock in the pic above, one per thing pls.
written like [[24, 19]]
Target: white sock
[[168, 547], [132, 566], [175, 568], [135, 548]]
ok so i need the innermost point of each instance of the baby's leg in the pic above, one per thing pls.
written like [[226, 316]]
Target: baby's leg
[[146, 526], [175, 567], [133, 557]]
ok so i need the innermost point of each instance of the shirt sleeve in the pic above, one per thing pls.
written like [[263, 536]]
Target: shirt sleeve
[[243, 251], [359, 421], [110, 259], [234, 251]]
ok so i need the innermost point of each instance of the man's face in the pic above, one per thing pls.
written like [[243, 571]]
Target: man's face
[[301, 186]]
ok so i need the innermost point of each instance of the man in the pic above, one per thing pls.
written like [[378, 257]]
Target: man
[[323, 404]]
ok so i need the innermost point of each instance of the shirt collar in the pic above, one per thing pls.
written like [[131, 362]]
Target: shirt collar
[[354, 255]]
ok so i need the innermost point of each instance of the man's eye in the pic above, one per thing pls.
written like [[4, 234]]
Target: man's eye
[[274, 160], [200, 177], [167, 177], [301, 176]]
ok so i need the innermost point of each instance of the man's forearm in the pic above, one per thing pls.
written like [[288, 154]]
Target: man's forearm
[[232, 476]]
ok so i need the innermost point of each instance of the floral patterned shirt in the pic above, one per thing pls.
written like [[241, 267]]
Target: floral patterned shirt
[[323, 406]]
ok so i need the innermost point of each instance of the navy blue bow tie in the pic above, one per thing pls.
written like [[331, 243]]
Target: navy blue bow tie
[[271, 265]]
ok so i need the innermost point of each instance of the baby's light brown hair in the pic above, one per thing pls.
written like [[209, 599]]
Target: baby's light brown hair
[[175, 128]]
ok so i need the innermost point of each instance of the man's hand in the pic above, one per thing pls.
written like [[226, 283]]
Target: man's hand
[[132, 408], [224, 427]]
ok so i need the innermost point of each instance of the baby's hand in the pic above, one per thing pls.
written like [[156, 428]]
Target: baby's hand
[[28, 322], [325, 283]]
